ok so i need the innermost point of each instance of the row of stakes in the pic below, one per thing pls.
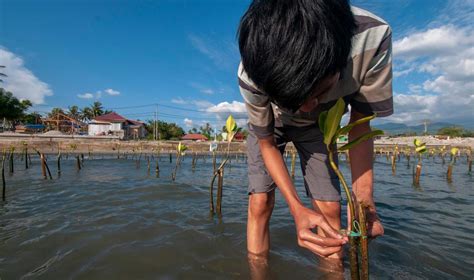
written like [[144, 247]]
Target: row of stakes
[[392, 155]]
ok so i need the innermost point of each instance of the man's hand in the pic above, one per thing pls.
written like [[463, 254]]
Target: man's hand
[[306, 220], [362, 175], [374, 225]]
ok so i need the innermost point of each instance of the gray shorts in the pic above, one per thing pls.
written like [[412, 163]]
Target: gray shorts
[[320, 181]]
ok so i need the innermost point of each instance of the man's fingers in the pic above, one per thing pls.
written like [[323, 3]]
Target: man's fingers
[[330, 232], [321, 251], [311, 237]]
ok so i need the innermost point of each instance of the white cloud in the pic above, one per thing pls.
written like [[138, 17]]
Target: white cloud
[[224, 54], [443, 40], [224, 109], [412, 108], [21, 81], [179, 101], [86, 95], [446, 55], [234, 107], [112, 92], [404, 72], [188, 122], [202, 103], [208, 91]]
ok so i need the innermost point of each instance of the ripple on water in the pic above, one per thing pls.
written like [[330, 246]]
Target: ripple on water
[[113, 220]]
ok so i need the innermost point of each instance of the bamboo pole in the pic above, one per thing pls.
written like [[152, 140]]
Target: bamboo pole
[[220, 182], [11, 160], [449, 173], [364, 246], [26, 157], [4, 185], [43, 165], [78, 163], [293, 162]]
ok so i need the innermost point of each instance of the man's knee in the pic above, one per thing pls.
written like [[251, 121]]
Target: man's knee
[[261, 204]]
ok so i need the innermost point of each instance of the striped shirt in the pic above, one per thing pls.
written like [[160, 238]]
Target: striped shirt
[[365, 84]]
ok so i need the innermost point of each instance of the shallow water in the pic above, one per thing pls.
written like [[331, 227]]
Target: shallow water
[[114, 220]]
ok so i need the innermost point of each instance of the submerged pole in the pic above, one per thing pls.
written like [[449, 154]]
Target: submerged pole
[[220, 182], [4, 185]]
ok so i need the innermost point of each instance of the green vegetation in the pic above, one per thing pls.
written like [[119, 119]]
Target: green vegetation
[[166, 131], [455, 131], [11, 108], [231, 128], [420, 149], [329, 123]]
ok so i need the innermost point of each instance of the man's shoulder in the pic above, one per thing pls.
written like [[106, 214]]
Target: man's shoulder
[[362, 15], [246, 83]]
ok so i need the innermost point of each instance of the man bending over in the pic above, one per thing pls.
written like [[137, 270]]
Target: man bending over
[[297, 58]]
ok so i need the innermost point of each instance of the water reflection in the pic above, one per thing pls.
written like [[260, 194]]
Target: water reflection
[[326, 268], [258, 266]]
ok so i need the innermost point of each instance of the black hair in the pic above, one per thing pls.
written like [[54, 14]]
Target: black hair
[[288, 46]]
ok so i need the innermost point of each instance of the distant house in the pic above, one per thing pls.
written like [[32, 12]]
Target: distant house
[[116, 125], [29, 128], [194, 137], [239, 137]]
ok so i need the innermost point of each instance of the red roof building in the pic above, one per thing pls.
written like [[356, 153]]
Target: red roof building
[[194, 137], [114, 124]]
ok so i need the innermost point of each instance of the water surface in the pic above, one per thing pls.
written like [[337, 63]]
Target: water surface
[[114, 220]]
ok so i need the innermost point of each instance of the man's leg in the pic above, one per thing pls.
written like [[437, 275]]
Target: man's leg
[[321, 183], [331, 210], [261, 191], [258, 221]]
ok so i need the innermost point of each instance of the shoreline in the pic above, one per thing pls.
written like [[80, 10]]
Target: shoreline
[[81, 144]]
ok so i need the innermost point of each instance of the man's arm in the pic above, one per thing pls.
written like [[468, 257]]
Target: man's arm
[[305, 218], [361, 158]]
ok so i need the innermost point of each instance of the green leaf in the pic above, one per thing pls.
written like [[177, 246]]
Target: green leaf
[[322, 121], [361, 139], [181, 147], [333, 120], [417, 142], [230, 124], [349, 127], [420, 149]]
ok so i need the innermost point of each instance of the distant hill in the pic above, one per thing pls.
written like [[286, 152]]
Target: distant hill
[[400, 128]]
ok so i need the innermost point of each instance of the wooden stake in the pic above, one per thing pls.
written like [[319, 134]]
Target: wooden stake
[[4, 185], [364, 245], [220, 182]]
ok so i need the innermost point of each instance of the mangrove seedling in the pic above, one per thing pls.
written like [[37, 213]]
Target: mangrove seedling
[[449, 174], [329, 123], [231, 127], [420, 149], [180, 152]]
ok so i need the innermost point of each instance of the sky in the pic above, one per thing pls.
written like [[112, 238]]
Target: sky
[[179, 58]]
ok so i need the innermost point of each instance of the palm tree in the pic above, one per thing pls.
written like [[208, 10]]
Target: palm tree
[[54, 113], [73, 112], [87, 114], [97, 109]]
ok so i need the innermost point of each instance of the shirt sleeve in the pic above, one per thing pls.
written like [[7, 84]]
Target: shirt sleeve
[[375, 92], [259, 109]]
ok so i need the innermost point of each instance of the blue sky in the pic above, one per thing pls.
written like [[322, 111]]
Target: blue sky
[[182, 55]]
